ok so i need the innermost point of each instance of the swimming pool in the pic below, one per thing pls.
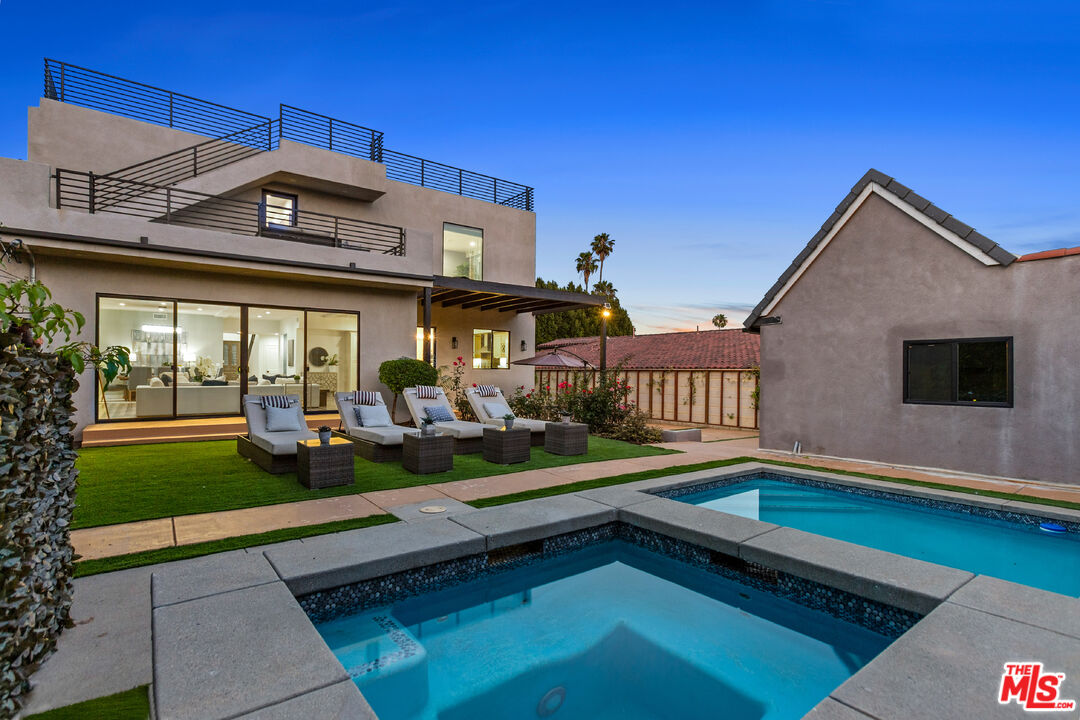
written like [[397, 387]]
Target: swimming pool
[[608, 631], [976, 540]]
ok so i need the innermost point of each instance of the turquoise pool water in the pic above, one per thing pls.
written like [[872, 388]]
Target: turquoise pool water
[[610, 631], [1010, 551]]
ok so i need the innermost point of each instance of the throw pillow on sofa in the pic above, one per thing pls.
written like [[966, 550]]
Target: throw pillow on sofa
[[372, 415], [281, 419], [214, 383]]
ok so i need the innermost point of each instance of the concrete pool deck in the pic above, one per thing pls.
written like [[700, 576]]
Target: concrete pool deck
[[223, 636], [111, 540]]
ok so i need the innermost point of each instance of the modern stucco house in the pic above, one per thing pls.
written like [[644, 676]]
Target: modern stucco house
[[900, 334], [235, 253]]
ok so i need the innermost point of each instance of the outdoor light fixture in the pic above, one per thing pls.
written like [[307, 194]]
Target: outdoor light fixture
[[524, 346], [606, 312], [453, 342]]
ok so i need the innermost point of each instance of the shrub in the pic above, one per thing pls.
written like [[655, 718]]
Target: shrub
[[453, 385], [403, 373], [605, 408]]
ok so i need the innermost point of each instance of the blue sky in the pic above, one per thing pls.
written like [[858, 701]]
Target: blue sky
[[710, 140]]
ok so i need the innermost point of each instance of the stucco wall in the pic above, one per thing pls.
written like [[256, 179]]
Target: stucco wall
[[832, 372], [387, 327], [454, 322]]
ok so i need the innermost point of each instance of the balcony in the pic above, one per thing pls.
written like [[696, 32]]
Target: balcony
[[99, 91], [92, 193]]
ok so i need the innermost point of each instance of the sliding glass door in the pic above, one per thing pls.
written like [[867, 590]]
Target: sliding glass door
[[145, 327], [331, 356], [208, 353]]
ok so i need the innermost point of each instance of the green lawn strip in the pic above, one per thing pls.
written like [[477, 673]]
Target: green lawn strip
[[679, 469], [182, 552], [604, 482], [133, 704], [143, 482]]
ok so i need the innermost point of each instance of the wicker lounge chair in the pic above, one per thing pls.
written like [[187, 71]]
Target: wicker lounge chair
[[469, 435], [274, 452], [377, 444], [478, 403]]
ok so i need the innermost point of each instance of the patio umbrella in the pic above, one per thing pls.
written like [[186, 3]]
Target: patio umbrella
[[554, 358]]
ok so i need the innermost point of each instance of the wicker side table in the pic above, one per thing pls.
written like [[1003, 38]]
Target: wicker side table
[[505, 447], [320, 466], [566, 438], [425, 454]]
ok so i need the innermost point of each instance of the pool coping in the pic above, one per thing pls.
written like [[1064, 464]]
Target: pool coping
[[218, 622]]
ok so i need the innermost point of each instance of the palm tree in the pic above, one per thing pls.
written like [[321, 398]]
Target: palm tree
[[586, 265], [605, 288], [602, 247], [720, 320]]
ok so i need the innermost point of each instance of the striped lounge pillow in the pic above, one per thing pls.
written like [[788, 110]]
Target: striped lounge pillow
[[427, 392], [278, 401], [365, 397], [487, 391]]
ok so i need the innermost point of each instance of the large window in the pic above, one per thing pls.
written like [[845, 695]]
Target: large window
[[192, 359], [491, 349], [975, 371], [463, 251]]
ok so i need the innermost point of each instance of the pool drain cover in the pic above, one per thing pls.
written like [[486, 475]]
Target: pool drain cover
[[433, 509], [551, 702]]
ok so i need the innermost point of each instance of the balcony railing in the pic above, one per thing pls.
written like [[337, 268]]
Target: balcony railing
[[102, 193], [90, 88]]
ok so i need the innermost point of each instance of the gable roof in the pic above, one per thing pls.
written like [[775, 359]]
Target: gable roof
[[701, 350], [958, 233]]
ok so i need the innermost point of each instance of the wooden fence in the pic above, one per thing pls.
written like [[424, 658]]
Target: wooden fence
[[725, 398]]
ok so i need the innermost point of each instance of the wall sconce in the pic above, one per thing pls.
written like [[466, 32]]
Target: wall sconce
[[524, 346], [453, 342]]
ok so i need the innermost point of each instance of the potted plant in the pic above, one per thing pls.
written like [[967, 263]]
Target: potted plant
[[509, 420], [324, 434], [427, 427], [565, 416]]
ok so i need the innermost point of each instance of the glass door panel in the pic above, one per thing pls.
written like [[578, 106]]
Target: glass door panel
[[275, 348], [146, 328], [332, 358], [208, 353]]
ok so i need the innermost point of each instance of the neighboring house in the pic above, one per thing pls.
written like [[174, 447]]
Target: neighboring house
[[237, 253], [707, 377], [900, 334]]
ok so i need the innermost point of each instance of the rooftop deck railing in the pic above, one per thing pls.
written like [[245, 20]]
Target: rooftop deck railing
[[102, 193], [90, 88], [81, 86]]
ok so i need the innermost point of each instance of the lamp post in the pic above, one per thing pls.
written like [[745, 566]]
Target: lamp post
[[605, 313]]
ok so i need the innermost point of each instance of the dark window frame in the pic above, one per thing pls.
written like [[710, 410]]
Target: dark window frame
[[277, 193], [483, 247], [956, 342]]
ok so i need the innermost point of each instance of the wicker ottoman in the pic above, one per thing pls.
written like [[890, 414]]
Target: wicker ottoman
[[425, 454], [505, 447], [566, 438], [320, 466]]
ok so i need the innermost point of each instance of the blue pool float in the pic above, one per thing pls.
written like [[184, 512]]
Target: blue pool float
[[1052, 528]]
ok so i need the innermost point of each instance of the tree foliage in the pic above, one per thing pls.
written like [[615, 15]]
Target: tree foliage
[[403, 373], [583, 322], [720, 320]]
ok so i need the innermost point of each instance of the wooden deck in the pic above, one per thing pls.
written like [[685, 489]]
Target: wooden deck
[[186, 430]]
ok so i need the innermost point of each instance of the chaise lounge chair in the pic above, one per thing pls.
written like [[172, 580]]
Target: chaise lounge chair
[[468, 436], [492, 408], [274, 450], [377, 443]]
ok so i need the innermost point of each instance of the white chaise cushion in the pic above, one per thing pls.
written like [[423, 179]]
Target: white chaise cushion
[[390, 435]]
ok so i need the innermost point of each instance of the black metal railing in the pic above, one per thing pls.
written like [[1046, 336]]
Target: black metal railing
[[85, 191], [317, 130], [89, 88]]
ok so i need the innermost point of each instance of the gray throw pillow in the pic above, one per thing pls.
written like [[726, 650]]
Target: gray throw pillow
[[372, 415], [282, 419], [438, 413]]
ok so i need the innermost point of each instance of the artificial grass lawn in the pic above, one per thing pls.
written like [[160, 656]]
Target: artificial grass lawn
[[142, 482], [183, 552], [131, 704]]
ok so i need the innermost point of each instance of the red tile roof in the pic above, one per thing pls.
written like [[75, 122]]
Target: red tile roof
[[707, 349], [1047, 254]]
